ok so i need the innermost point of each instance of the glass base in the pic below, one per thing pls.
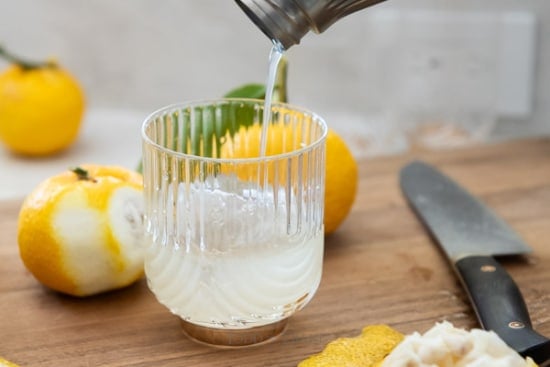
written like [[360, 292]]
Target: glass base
[[234, 337]]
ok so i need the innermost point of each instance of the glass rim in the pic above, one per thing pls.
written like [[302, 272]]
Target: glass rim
[[206, 102]]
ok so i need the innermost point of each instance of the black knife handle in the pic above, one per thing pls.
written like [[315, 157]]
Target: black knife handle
[[499, 305]]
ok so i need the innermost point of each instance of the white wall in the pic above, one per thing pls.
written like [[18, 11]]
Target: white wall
[[143, 54]]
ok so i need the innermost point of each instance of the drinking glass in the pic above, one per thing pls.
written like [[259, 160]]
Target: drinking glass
[[235, 237]]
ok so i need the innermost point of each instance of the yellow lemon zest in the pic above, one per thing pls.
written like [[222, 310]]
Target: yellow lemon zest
[[366, 350]]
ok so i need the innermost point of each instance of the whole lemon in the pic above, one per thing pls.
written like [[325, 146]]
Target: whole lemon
[[81, 232], [41, 107], [341, 181], [341, 168]]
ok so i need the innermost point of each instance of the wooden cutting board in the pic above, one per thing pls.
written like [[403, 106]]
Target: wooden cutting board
[[379, 267]]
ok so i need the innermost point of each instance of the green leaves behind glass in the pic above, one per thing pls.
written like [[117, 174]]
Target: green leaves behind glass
[[252, 90], [243, 116]]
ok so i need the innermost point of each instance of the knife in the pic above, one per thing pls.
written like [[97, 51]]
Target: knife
[[470, 234]]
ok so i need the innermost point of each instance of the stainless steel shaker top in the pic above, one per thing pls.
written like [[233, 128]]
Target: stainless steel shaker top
[[287, 21]]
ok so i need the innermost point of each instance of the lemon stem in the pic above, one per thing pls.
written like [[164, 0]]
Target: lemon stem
[[25, 64], [81, 173]]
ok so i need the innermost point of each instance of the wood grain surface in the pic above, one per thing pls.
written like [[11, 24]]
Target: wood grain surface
[[379, 267]]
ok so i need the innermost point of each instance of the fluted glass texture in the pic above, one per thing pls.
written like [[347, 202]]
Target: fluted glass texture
[[236, 240]]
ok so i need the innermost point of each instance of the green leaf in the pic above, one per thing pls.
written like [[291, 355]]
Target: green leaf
[[258, 91], [252, 90]]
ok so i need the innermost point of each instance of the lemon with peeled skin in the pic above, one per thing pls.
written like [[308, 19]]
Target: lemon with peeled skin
[[81, 232], [41, 107]]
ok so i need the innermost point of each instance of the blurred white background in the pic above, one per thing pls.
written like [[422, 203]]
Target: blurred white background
[[387, 79]]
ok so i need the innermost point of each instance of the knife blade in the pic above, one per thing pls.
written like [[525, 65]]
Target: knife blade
[[470, 234]]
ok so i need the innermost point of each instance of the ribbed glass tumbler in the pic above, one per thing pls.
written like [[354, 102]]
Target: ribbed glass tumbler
[[235, 228]]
